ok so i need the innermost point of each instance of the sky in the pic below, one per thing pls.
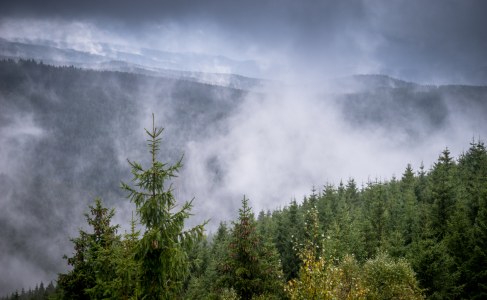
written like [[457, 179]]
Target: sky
[[277, 147], [420, 41]]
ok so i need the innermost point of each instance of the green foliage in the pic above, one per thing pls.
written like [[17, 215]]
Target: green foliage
[[318, 277], [442, 193], [162, 249], [435, 268], [251, 266], [116, 269], [325, 277], [288, 230], [77, 282], [385, 278], [478, 264]]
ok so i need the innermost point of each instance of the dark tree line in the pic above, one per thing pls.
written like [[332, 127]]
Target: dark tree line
[[40, 292]]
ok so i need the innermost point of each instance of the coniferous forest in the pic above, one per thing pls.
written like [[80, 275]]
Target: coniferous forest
[[422, 234]]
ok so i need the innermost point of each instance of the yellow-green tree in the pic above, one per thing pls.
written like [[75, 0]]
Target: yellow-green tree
[[329, 278], [323, 277]]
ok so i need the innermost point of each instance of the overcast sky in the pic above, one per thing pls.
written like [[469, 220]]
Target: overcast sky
[[422, 40]]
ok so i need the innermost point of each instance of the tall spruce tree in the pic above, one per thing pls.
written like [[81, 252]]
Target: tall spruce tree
[[75, 283], [458, 242], [442, 193], [420, 188], [162, 249], [472, 169], [434, 267], [251, 267], [288, 232], [477, 285], [115, 267]]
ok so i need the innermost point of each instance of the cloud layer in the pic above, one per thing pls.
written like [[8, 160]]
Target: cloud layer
[[436, 42]]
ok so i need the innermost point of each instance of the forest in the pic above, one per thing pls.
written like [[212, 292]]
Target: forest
[[420, 235]]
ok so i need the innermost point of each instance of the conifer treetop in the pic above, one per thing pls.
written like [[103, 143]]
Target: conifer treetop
[[162, 249]]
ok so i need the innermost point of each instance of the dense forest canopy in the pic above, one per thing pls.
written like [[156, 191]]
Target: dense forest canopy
[[428, 222], [421, 234]]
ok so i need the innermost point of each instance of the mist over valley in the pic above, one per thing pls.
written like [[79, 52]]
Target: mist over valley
[[268, 120]]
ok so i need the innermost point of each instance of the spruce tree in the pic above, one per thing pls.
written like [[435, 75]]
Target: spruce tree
[[75, 283], [116, 270], [408, 178], [472, 167], [41, 293], [410, 226], [251, 267], [375, 216], [434, 267], [327, 206], [162, 249], [459, 245], [220, 239], [442, 193], [420, 188], [288, 232], [50, 289], [351, 192], [477, 285]]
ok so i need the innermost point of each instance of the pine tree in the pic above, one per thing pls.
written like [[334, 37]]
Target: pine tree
[[204, 286], [251, 267], [327, 206], [434, 267], [420, 188], [288, 232], [194, 287], [458, 242], [220, 239], [75, 283], [162, 249], [115, 268], [442, 193], [42, 292], [50, 289], [375, 216], [408, 178], [410, 226], [477, 285], [351, 192], [394, 237], [473, 175]]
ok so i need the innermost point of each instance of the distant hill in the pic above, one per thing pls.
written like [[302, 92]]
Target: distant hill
[[103, 52], [361, 83]]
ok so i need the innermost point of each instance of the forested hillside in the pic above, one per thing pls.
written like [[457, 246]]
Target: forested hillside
[[66, 134], [436, 219]]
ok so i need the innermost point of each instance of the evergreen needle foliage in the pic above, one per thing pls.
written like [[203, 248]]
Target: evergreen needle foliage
[[323, 277], [251, 267], [162, 249], [77, 283]]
